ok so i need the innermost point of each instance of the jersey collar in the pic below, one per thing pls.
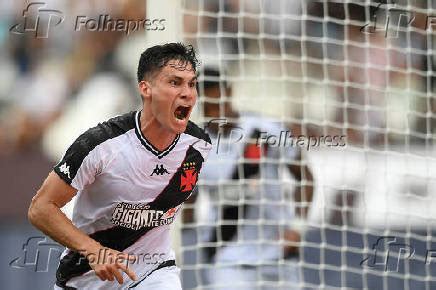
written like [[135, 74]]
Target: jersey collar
[[147, 143]]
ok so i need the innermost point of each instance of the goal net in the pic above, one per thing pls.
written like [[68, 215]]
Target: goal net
[[360, 72]]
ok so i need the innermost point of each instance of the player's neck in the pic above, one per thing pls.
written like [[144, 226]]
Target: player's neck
[[153, 131]]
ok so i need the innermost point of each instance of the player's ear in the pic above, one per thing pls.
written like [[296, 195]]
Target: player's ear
[[145, 89]]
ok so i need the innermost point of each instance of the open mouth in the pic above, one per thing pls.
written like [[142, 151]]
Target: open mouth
[[182, 112]]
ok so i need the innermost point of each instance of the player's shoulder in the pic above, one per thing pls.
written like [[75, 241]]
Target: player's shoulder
[[197, 132], [88, 141], [118, 124], [104, 131]]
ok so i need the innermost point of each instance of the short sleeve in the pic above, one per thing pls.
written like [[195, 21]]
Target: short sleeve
[[83, 160], [80, 164]]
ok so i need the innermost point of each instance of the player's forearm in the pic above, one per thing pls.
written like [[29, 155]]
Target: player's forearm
[[48, 217], [304, 193], [303, 198]]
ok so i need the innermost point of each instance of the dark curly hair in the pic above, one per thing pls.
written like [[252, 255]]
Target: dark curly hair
[[156, 57]]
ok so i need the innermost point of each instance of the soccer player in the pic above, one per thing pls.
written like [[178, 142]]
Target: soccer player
[[130, 176], [256, 236]]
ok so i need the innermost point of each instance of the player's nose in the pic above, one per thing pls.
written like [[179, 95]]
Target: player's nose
[[187, 92]]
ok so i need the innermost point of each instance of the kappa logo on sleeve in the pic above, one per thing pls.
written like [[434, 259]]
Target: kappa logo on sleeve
[[65, 170]]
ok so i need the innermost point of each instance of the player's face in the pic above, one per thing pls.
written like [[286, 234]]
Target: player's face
[[173, 95]]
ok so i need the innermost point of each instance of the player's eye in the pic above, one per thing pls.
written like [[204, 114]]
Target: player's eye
[[173, 82], [192, 84]]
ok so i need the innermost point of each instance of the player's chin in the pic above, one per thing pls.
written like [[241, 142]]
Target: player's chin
[[179, 125]]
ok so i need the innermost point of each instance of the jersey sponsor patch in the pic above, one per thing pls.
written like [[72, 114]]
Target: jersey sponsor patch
[[136, 216]]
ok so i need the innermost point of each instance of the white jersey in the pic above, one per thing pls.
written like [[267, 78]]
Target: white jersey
[[129, 193], [246, 191]]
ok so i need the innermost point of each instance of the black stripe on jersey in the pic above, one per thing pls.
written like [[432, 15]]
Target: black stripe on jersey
[[119, 238], [69, 165], [147, 144], [193, 130]]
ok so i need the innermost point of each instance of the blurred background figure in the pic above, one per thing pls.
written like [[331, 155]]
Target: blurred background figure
[[360, 69], [253, 238]]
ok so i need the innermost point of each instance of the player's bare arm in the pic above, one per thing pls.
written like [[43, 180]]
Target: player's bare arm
[[45, 214], [302, 197], [304, 192]]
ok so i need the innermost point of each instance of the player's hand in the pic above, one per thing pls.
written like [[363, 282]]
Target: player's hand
[[108, 264]]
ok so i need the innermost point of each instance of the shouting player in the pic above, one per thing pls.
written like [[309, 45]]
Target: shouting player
[[131, 175], [256, 238]]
